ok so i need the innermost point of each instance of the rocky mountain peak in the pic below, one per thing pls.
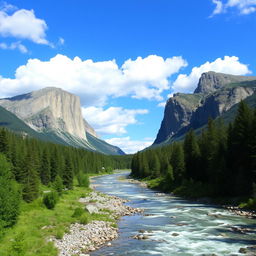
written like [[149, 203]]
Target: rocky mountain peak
[[49, 109], [211, 81]]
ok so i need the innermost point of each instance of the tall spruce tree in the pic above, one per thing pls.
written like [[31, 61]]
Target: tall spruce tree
[[68, 174], [10, 197]]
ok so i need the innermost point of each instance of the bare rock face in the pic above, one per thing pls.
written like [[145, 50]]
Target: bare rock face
[[49, 109], [212, 81], [177, 114], [216, 93], [89, 129]]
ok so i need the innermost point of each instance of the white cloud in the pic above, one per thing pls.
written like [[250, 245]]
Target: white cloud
[[229, 65], [22, 24], [61, 41], [113, 120], [13, 46], [130, 146], [243, 6], [219, 7], [93, 81], [161, 104]]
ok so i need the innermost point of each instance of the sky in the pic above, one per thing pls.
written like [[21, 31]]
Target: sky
[[123, 58]]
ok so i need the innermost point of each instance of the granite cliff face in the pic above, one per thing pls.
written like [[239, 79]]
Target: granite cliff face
[[210, 82], [177, 114], [49, 109], [56, 116], [215, 94]]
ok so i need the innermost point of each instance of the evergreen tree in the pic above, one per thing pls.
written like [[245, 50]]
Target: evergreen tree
[[178, 163], [192, 156], [58, 185], [29, 179], [169, 178], [9, 195], [45, 168], [68, 174]]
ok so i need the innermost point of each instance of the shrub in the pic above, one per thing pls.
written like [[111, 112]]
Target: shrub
[[83, 180], [83, 219], [59, 234], [78, 212], [50, 199]]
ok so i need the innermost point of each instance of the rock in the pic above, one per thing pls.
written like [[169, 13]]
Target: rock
[[175, 234], [49, 108], [210, 82], [91, 208], [109, 244], [243, 250], [211, 98]]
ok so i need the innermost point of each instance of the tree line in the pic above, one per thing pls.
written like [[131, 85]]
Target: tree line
[[27, 163], [221, 161]]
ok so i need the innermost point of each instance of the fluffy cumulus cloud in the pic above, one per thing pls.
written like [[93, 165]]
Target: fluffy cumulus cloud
[[22, 24], [93, 81], [243, 6], [229, 65], [113, 120], [130, 146], [13, 46]]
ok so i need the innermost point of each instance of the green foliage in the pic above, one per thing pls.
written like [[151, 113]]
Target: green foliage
[[68, 174], [50, 199], [59, 234], [78, 212], [83, 180], [18, 246], [220, 162], [58, 185], [249, 205], [9, 195], [83, 219]]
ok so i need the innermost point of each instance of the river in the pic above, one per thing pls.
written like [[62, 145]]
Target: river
[[179, 227]]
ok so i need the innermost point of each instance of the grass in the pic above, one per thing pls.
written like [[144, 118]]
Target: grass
[[36, 223]]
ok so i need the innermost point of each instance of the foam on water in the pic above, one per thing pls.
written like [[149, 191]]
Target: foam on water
[[178, 227]]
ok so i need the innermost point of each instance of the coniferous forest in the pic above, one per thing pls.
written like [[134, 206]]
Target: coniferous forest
[[26, 164], [220, 162]]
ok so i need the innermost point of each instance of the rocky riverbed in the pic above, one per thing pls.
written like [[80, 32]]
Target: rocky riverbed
[[81, 239]]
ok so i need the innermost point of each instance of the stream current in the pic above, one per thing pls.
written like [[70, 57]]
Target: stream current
[[176, 226]]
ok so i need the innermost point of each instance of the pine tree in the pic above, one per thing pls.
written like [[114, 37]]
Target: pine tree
[[29, 179], [178, 164], [45, 168], [192, 156], [68, 174], [9, 195]]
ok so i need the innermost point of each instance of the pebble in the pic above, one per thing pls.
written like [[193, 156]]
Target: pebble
[[82, 239]]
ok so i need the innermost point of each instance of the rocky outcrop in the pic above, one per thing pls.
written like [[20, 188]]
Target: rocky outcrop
[[49, 109], [55, 115], [210, 82], [216, 94], [177, 114], [89, 129]]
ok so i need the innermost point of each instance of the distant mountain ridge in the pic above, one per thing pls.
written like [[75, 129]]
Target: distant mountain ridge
[[214, 96], [56, 116]]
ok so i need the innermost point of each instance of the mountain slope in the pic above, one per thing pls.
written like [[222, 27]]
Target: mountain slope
[[215, 95], [54, 115]]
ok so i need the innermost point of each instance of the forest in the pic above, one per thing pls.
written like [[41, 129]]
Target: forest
[[27, 164], [220, 162]]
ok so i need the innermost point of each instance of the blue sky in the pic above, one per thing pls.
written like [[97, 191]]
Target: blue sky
[[123, 58]]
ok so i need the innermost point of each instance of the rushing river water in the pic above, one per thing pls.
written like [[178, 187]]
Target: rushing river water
[[179, 227]]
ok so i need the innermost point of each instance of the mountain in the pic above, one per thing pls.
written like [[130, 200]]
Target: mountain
[[215, 95], [53, 115]]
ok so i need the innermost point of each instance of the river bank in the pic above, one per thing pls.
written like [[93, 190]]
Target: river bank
[[84, 238], [232, 208]]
